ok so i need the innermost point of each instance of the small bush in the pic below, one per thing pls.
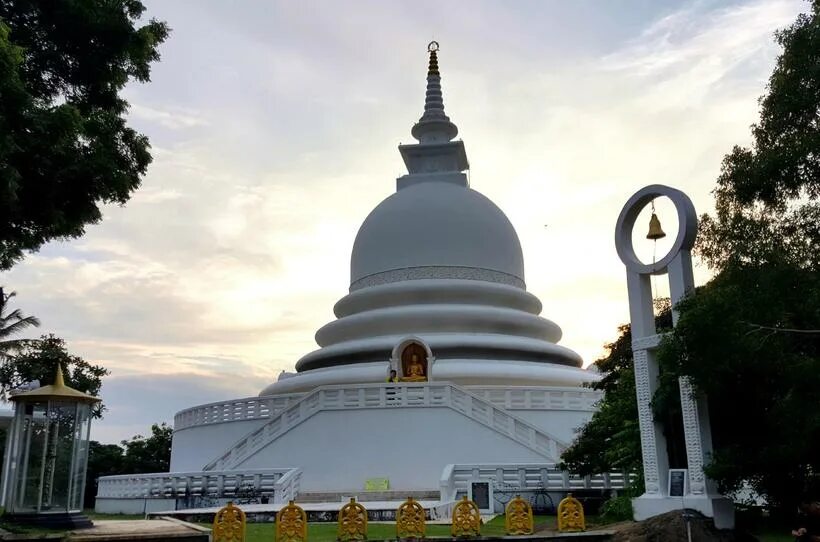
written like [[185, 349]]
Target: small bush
[[617, 509]]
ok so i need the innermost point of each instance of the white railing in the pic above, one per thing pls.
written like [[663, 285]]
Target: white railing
[[275, 483], [249, 408], [252, 408], [287, 487], [455, 479], [431, 394], [539, 398]]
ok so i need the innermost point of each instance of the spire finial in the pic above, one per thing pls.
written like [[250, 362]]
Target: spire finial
[[434, 126], [432, 69], [58, 376]]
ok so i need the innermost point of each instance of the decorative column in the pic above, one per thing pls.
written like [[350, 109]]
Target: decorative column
[[677, 264]]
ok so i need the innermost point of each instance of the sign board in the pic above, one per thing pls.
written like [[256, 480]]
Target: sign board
[[376, 484], [481, 495], [678, 482]]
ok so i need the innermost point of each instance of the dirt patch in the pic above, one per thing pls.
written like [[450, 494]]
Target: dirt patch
[[671, 527]]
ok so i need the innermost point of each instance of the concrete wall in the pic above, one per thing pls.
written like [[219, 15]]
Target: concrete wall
[[133, 506], [559, 423], [339, 450], [193, 447]]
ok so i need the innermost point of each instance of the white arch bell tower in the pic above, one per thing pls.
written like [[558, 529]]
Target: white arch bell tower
[[661, 493]]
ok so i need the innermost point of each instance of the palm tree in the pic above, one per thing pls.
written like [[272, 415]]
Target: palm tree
[[11, 324]]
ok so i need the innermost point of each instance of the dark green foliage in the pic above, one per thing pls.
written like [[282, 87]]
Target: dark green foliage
[[763, 383], [149, 454], [750, 338], [617, 509], [38, 360], [135, 456], [65, 147], [766, 200], [783, 163], [611, 439], [12, 322], [103, 460]]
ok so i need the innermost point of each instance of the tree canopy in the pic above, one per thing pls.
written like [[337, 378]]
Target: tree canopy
[[151, 453], [65, 147], [134, 456], [611, 440], [38, 360], [750, 337], [12, 322]]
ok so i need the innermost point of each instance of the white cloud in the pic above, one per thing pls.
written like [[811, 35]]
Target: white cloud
[[174, 119], [274, 133]]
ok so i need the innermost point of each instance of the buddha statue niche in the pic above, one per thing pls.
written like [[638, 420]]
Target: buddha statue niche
[[414, 370]]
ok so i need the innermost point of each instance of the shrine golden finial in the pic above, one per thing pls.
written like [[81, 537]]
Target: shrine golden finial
[[571, 515], [518, 517], [352, 522], [291, 524], [410, 518], [466, 519], [229, 524]]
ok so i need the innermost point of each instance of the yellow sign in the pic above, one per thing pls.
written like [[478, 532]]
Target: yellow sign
[[377, 484]]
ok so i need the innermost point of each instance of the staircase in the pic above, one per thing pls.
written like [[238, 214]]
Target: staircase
[[385, 396]]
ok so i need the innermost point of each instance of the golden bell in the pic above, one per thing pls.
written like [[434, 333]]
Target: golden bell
[[655, 231]]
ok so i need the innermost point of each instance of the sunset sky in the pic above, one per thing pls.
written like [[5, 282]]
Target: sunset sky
[[275, 127]]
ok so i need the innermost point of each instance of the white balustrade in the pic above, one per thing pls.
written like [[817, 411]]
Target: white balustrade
[[287, 486], [533, 398], [399, 395], [456, 478], [250, 408], [276, 483]]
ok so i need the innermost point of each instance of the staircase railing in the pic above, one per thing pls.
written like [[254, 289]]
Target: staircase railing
[[399, 395], [455, 479], [276, 483], [249, 408]]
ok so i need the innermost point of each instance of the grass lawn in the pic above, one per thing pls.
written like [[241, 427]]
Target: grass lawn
[[326, 532], [772, 536]]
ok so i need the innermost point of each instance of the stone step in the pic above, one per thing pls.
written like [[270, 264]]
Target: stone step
[[365, 496]]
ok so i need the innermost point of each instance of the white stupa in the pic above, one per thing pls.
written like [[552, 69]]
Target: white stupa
[[439, 261], [438, 294]]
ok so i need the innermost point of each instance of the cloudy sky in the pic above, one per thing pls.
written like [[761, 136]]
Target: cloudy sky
[[274, 128]]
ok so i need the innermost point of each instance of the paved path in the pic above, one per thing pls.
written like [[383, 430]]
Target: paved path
[[140, 529]]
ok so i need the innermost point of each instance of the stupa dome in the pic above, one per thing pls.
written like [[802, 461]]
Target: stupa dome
[[436, 230], [440, 263]]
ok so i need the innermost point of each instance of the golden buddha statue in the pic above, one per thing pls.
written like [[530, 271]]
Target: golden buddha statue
[[414, 371]]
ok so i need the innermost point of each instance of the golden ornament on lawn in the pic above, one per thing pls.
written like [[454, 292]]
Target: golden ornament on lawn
[[518, 517], [352, 522], [410, 520], [229, 524], [571, 515], [291, 524], [466, 519]]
